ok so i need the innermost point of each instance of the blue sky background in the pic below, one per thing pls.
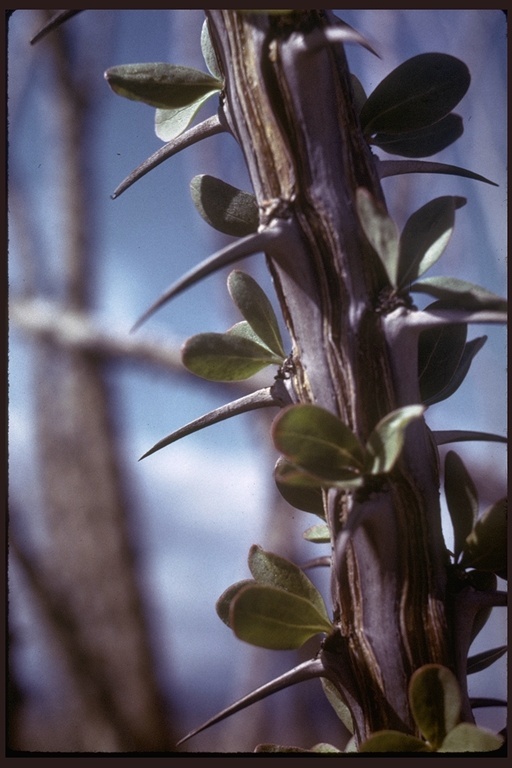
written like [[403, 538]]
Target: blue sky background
[[201, 503]]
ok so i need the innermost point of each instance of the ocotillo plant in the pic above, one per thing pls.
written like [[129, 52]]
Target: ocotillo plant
[[364, 365]]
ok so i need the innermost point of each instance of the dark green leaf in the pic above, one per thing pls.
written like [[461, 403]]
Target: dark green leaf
[[225, 356], [276, 571], [419, 92], [298, 488], [440, 350], [318, 534], [256, 308], [223, 207], [359, 94], [161, 85], [273, 618], [317, 441], [393, 741], [466, 737], [425, 236], [481, 661], [460, 294], [435, 702], [223, 603], [423, 142], [387, 439], [380, 231], [470, 350], [461, 498], [486, 546]]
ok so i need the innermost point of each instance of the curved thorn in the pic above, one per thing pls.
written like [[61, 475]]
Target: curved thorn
[[318, 562], [387, 168], [306, 671], [262, 398], [341, 33], [246, 246], [434, 318], [443, 436], [55, 21], [209, 127], [485, 702]]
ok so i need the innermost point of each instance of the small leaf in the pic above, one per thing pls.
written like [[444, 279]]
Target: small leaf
[[223, 603], [209, 56], [318, 534], [461, 498], [316, 440], [325, 749], [440, 350], [425, 236], [298, 488], [170, 123], [419, 92], [256, 308], [277, 748], [486, 546], [334, 698], [387, 439], [380, 231], [423, 142], [393, 741], [161, 85], [470, 350], [225, 208], [276, 571], [466, 737], [225, 356], [435, 702], [457, 293], [273, 618], [481, 661]]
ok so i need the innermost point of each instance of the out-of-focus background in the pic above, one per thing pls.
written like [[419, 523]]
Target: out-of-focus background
[[115, 565]]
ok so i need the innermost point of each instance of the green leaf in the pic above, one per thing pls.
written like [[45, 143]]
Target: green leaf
[[334, 698], [461, 498], [274, 748], [225, 208], [423, 142], [419, 92], [460, 294], [440, 350], [359, 93], [224, 602], [425, 236], [387, 439], [469, 352], [481, 661], [466, 737], [393, 741], [225, 356], [275, 571], [318, 534], [256, 308], [169, 123], [273, 618], [298, 488], [486, 546], [435, 702], [325, 749], [209, 56], [317, 441], [380, 231], [161, 85]]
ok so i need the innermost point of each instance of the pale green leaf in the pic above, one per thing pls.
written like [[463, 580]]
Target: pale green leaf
[[161, 85], [224, 207], [169, 123], [461, 499], [225, 356], [256, 308], [466, 737], [381, 232], [486, 546], [325, 749], [334, 698], [387, 439], [273, 618], [318, 534], [435, 702], [209, 56], [223, 603], [393, 741]]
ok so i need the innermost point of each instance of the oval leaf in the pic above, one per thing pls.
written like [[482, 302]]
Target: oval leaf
[[425, 236], [424, 142], [419, 92], [466, 737], [254, 305], [318, 534], [161, 85], [387, 439], [209, 56], [460, 294], [435, 702], [298, 488], [273, 618], [169, 123], [486, 546], [276, 571], [380, 231], [440, 351], [223, 603], [225, 356], [225, 208], [393, 741], [461, 499], [316, 440]]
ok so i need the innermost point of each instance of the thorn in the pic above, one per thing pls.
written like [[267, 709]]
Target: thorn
[[443, 436], [246, 246], [209, 127], [387, 168], [306, 671], [55, 21]]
